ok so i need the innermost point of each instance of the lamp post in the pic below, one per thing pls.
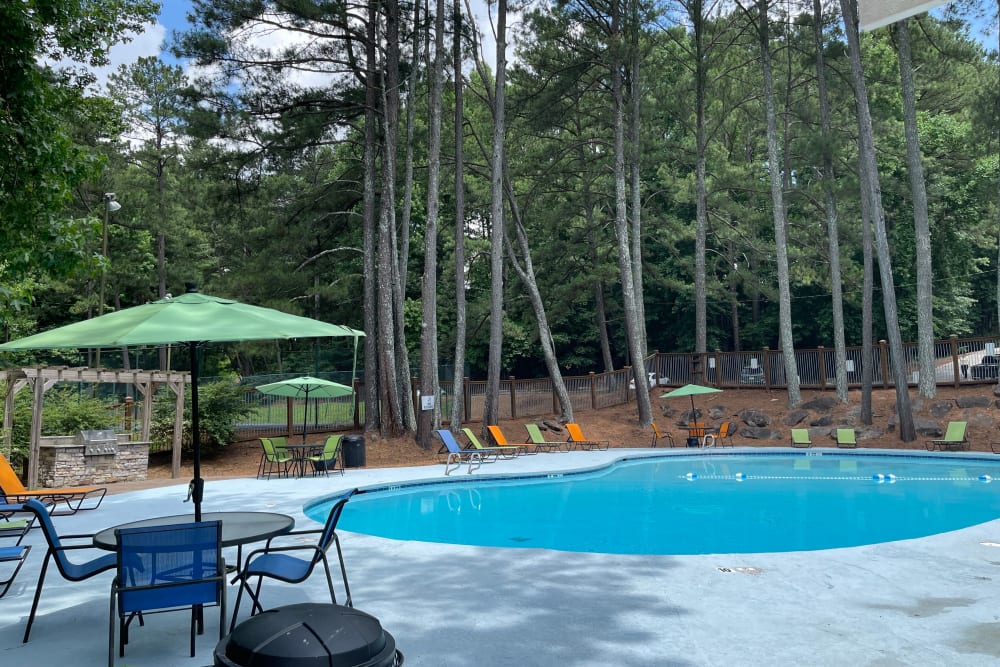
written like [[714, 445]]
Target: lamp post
[[109, 205]]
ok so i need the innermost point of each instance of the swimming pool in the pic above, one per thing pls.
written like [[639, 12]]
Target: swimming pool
[[740, 503]]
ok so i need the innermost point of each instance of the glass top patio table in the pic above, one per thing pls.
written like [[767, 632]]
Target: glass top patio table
[[238, 528]]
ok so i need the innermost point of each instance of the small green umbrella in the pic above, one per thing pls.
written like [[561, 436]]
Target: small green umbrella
[[691, 390], [304, 387], [192, 319]]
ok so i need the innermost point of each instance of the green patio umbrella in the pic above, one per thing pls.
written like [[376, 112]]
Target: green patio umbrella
[[192, 319], [304, 387], [691, 390]]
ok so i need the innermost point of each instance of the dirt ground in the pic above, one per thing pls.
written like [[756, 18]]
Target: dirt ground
[[620, 426]]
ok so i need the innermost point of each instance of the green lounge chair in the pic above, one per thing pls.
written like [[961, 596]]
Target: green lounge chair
[[537, 438], [954, 438], [506, 451], [500, 440], [800, 438], [846, 438]]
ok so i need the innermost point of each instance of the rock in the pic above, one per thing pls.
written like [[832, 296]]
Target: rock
[[757, 433], [980, 422], [926, 427], [825, 420], [996, 390], [756, 418], [940, 408], [973, 401], [796, 416], [717, 412], [869, 433], [555, 427], [821, 404]]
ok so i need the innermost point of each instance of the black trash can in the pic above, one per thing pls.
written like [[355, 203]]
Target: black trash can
[[308, 634], [353, 447]]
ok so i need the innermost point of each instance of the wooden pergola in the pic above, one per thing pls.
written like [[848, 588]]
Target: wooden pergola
[[41, 379]]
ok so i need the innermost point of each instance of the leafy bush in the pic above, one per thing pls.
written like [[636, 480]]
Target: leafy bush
[[65, 411], [220, 408]]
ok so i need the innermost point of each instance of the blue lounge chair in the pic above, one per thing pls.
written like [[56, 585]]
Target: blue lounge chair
[[456, 455]]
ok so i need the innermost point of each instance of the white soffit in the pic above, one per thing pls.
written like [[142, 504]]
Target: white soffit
[[878, 13]]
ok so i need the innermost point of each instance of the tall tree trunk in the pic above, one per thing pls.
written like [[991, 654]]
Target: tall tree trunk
[[393, 390], [927, 382], [430, 419], [491, 409], [632, 324], [873, 200], [458, 377], [635, 97], [411, 109], [695, 13], [527, 275], [371, 227], [778, 213], [600, 309], [830, 202]]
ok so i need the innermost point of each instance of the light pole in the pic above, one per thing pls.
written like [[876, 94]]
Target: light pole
[[109, 205]]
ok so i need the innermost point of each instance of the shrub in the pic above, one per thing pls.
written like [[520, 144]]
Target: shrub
[[220, 408]]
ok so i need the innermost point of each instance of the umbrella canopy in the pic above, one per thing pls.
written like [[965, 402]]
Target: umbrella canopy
[[691, 390], [192, 318], [304, 387]]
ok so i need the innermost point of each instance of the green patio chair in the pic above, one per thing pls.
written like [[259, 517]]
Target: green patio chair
[[272, 461], [800, 438], [327, 460]]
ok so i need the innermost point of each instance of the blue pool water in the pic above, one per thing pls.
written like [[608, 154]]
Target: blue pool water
[[693, 505]]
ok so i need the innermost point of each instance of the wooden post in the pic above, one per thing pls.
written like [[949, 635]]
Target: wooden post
[[593, 390], [357, 403], [628, 374], [883, 349], [822, 366], [767, 369], [513, 397], [956, 362], [38, 389], [290, 416], [175, 446], [467, 396]]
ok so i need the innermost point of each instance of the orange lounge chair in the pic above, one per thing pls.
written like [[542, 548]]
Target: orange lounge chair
[[73, 498], [577, 439], [500, 440]]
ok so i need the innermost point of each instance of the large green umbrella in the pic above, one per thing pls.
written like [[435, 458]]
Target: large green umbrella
[[192, 318], [691, 390], [304, 387]]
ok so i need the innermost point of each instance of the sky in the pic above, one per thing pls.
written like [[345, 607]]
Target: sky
[[172, 18]]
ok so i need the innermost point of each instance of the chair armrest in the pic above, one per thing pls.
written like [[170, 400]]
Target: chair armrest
[[310, 531]]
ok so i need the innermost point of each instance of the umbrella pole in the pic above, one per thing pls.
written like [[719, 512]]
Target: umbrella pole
[[197, 488]]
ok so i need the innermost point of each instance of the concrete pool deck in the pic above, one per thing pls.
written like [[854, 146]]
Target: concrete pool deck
[[929, 601]]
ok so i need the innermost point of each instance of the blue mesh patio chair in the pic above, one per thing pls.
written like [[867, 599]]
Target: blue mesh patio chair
[[57, 551], [277, 562], [167, 568]]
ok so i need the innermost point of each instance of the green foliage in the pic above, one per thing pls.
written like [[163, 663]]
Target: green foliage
[[220, 408], [65, 411]]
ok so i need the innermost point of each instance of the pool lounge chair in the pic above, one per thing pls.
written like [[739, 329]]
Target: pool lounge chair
[[500, 440], [506, 451], [954, 438], [456, 455], [800, 438], [73, 498], [536, 437], [578, 441], [846, 438]]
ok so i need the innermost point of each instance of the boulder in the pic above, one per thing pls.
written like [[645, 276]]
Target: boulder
[[940, 408], [796, 416], [821, 404], [927, 428], [973, 401], [717, 412], [759, 433], [755, 418], [825, 420]]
